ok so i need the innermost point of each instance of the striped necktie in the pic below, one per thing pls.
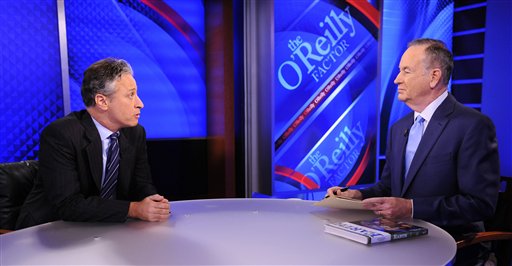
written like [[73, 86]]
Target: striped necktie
[[109, 184]]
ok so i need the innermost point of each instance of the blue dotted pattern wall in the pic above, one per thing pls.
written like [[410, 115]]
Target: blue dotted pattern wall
[[163, 42], [30, 75], [152, 35]]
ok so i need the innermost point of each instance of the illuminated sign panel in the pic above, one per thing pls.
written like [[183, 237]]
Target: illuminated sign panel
[[325, 98]]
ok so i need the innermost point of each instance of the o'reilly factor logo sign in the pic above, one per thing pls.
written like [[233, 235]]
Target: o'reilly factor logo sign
[[318, 56], [333, 159], [324, 62]]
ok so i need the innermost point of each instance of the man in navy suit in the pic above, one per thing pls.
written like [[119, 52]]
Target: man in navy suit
[[73, 157], [453, 179]]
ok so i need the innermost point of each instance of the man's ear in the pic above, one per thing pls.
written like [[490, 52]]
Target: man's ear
[[435, 77], [101, 101]]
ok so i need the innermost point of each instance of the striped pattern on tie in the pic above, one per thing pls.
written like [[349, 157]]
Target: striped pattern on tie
[[109, 184]]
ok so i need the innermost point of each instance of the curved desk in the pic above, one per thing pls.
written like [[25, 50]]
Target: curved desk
[[222, 231]]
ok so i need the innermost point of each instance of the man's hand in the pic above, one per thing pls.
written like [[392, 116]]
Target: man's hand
[[390, 207], [154, 208], [343, 193]]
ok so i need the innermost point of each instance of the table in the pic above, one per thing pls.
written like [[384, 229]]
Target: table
[[221, 231]]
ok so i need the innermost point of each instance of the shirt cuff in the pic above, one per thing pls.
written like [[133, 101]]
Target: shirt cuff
[[412, 208]]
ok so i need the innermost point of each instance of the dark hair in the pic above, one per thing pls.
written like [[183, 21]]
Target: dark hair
[[100, 76], [438, 54]]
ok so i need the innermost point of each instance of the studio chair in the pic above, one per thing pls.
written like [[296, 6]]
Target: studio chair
[[16, 181], [498, 228]]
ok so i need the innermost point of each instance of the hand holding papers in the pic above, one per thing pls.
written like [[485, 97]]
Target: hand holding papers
[[342, 198], [340, 203]]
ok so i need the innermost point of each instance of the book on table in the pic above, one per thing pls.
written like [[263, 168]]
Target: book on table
[[375, 230]]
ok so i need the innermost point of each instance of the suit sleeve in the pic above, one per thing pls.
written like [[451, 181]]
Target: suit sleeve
[[59, 148], [143, 183]]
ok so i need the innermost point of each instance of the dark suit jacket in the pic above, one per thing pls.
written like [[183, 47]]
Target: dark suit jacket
[[70, 170], [454, 176]]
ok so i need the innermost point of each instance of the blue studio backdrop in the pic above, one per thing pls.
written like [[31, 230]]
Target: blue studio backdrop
[[36, 56], [335, 62]]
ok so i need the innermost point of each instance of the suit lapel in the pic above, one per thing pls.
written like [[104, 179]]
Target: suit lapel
[[93, 149], [434, 129], [401, 142]]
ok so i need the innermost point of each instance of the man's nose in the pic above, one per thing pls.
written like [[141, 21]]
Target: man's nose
[[397, 79], [139, 104]]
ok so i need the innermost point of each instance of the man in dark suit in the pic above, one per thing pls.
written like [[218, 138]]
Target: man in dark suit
[[453, 177], [72, 184]]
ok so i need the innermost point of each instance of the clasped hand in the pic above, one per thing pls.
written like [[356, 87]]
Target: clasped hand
[[388, 207], [154, 208]]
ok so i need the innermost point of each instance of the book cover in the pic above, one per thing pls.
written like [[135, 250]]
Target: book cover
[[375, 230]]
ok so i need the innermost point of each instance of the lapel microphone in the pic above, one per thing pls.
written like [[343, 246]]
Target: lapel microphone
[[406, 132]]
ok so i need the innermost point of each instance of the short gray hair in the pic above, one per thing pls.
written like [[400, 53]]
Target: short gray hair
[[438, 54], [100, 76]]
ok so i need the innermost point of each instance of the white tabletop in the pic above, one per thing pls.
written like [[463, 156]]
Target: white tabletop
[[222, 231]]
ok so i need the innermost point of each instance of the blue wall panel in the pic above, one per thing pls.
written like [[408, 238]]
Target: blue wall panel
[[164, 47], [30, 76], [163, 40], [497, 78]]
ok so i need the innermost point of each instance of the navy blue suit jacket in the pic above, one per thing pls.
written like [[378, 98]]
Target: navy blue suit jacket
[[454, 176], [70, 169]]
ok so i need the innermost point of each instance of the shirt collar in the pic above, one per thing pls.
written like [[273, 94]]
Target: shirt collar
[[104, 132], [432, 107]]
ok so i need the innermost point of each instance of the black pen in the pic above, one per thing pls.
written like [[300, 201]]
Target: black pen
[[342, 189]]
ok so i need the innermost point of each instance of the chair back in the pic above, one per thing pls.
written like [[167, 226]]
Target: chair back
[[16, 181], [501, 223], [502, 219]]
